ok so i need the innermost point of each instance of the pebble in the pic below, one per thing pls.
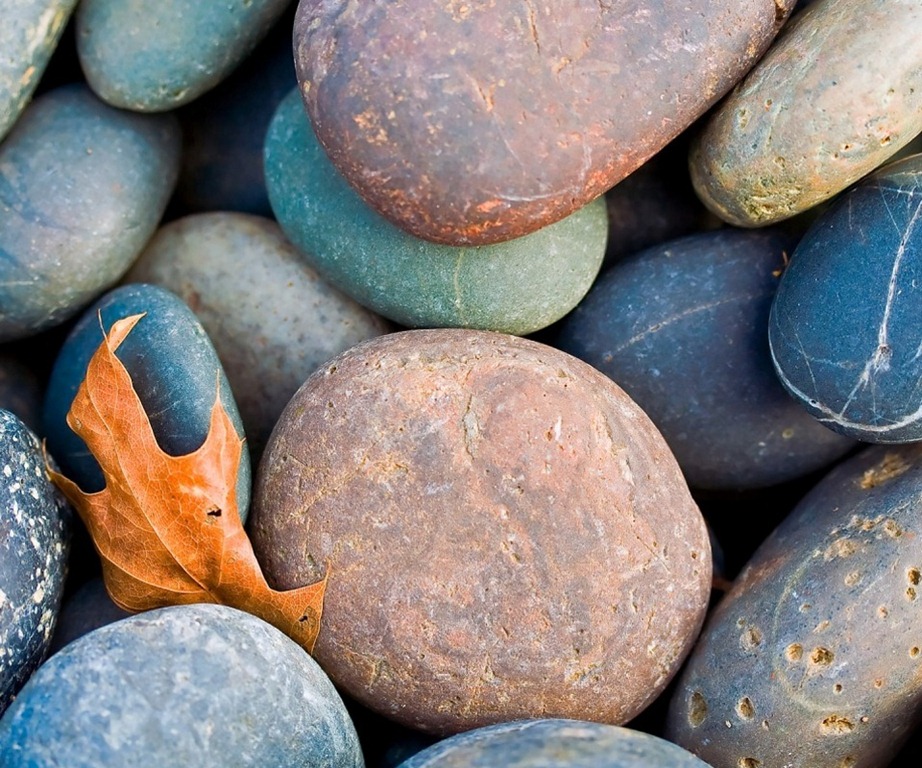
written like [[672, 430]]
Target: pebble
[[82, 188], [174, 369], [273, 321], [36, 522], [21, 389], [196, 685], [472, 123], [516, 287], [153, 57], [844, 327]]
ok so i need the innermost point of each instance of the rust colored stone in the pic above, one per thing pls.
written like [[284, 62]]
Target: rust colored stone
[[475, 122], [507, 534]]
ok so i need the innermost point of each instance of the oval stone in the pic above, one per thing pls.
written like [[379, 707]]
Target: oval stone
[[192, 685], [682, 327], [28, 36], [813, 658], [272, 319], [517, 287], [153, 57], [174, 369], [472, 123], [35, 522], [844, 327], [82, 187], [553, 743], [21, 389], [835, 96], [507, 533]]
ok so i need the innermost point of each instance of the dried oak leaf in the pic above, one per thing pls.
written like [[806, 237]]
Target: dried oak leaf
[[167, 527]]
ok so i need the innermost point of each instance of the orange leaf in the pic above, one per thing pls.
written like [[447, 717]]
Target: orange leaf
[[167, 527]]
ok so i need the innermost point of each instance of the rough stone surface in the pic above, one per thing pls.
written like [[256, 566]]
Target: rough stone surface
[[553, 744], [197, 685], [82, 187], [682, 327], [272, 319], [836, 95], [174, 369], [517, 287], [844, 326], [28, 36], [416, 110], [507, 534], [153, 57], [35, 524], [813, 658]]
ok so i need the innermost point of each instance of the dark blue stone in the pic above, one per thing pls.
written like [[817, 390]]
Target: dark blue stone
[[89, 608], [35, 524], [175, 371], [82, 188], [553, 744], [682, 329], [21, 389], [845, 324], [197, 685]]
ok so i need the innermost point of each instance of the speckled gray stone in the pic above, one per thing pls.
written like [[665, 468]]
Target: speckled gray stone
[[34, 543], [197, 685], [272, 319], [553, 744], [29, 33], [156, 56], [82, 187]]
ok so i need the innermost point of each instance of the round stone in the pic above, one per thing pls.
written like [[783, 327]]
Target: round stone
[[201, 685]]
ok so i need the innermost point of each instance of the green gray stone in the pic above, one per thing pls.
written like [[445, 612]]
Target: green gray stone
[[29, 33], [82, 187], [154, 56], [518, 287]]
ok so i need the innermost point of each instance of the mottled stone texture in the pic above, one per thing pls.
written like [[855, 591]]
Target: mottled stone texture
[[518, 287], [813, 658], [844, 327], [34, 542], [507, 534], [153, 57], [174, 369], [29, 33], [836, 95], [272, 319], [553, 744], [82, 187], [471, 123], [196, 685], [682, 327]]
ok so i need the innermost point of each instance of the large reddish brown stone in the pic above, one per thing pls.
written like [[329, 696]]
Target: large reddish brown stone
[[506, 533], [475, 122]]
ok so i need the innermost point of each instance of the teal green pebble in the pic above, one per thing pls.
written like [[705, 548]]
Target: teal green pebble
[[82, 188], [29, 33], [517, 287], [155, 56]]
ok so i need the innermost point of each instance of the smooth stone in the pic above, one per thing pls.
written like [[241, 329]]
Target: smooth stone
[[844, 327], [813, 658], [28, 36], [192, 685], [35, 521], [682, 328], [507, 535], [224, 131], [553, 743], [89, 608], [835, 96], [82, 188], [516, 287], [473, 123], [273, 321], [174, 369], [152, 57], [21, 389]]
